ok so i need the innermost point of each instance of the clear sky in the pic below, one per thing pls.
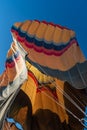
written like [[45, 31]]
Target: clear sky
[[70, 13]]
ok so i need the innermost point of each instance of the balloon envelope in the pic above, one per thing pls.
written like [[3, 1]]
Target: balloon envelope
[[52, 56], [53, 49]]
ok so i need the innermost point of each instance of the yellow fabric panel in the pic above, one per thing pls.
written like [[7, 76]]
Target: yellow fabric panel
[[33, 28], [66, 36], [60, 86], [18, 24], [46, 31], [25, 25], [57, 35], [48, 35], [62, 35], [43, 98], [29, 87], [41, 30], [42, 78]]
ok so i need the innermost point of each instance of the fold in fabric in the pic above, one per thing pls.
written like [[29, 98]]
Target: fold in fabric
[[11, 80], [53, 49]]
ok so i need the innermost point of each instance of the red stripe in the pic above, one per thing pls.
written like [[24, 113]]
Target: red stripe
[[33, 77], [12, 64], [43, 88], [44, 50], [51, 23], [23, 40]]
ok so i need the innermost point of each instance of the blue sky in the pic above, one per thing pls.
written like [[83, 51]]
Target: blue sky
[[70, 13]]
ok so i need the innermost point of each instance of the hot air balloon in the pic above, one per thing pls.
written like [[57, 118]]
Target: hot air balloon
[[52, 95]]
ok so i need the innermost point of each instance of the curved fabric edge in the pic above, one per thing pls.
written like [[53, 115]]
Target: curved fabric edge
[[14, 75], [10, 85], [35, 34], [49, 48], [6, 99], [76, 76], [5, 91]]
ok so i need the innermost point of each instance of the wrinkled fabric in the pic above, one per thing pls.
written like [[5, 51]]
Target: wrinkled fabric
[[53, 49], [40, 61], [11, 80]]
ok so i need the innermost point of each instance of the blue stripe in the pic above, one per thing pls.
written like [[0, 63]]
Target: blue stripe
[[11, 58], [42, 42]]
